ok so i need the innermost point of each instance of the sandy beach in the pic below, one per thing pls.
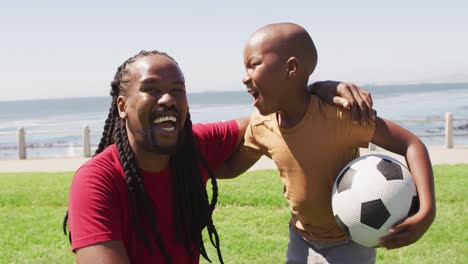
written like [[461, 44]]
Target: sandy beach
[[439, 155]]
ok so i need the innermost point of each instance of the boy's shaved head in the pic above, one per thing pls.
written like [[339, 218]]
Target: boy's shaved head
[[288, 40]]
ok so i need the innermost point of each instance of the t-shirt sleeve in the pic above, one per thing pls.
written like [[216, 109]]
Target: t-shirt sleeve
[[252, 132], [354, 135], [94, 212], [217, 141], [249, 140]]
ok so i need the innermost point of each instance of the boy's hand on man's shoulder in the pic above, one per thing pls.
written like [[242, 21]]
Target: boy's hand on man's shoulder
[[349, 96]]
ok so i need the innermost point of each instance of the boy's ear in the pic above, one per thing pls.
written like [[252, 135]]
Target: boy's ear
[[122, 106], [292, 66]]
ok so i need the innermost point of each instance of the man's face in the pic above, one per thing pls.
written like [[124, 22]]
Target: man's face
[[265, 74], [155, 104]]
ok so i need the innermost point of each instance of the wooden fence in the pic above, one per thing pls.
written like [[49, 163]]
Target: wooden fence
[[448, 129], [86, 138]]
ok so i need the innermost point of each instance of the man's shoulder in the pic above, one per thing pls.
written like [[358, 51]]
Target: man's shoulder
[[206, 129], [105, 163]]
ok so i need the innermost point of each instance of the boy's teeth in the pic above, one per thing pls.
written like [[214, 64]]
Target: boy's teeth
[[164, 119]]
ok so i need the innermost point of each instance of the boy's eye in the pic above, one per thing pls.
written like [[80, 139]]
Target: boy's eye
[[253, 65]]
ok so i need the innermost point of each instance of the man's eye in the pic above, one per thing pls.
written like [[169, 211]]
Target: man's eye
[[153, 92], [147, 89], [178, 91]]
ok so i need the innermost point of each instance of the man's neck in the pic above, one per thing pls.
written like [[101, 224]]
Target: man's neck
[[153, 162], [149, 160]]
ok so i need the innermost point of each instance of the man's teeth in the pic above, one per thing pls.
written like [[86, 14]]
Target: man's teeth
[[168, 129], [164, 119]]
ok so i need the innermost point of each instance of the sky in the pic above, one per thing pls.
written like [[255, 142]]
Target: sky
[[59, 49]]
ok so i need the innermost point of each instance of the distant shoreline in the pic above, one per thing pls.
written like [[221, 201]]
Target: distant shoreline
[[368, 86]]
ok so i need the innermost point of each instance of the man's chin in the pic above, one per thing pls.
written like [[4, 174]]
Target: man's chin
[[165, 150], [168, 148]]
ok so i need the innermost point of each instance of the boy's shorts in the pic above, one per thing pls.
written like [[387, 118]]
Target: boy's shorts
[[303, 251]]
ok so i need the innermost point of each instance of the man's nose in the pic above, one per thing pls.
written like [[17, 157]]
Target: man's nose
[[166, 99]]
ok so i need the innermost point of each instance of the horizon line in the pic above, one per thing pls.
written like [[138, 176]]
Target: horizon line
[[227, 91]]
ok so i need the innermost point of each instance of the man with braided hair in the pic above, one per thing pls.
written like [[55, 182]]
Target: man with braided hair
[[142, 197]]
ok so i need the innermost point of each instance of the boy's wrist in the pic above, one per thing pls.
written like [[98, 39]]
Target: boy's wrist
[[428, 213]]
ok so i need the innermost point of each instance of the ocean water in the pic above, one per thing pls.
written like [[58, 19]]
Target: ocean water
[[67, 117]]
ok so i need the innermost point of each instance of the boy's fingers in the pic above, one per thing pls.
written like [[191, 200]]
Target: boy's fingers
[[399, 236], [396, 240], [398, 227], [372, 114], [361, 105], [341, 101], [366, 96], [346, 93]]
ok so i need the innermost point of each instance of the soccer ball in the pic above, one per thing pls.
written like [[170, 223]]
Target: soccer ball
[[370, 195]]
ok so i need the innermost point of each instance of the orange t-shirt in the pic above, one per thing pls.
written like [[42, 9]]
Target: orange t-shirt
[[309, 157]]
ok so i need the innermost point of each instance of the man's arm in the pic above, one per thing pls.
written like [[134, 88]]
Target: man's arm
[[347, 95], [109, 252], [401, 141]]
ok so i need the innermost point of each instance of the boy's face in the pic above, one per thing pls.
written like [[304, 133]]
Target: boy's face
[[265, 74]]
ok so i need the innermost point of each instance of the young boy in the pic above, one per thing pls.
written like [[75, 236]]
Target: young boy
[[310, 142]]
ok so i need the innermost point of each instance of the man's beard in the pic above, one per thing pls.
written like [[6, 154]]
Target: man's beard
[[150, 143]]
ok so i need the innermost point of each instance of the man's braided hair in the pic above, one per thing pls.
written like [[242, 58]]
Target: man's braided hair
[[192, 210]]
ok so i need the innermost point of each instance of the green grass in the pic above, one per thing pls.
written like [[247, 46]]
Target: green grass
[[251, 218]]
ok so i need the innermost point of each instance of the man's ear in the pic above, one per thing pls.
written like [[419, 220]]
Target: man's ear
[[122, 106], [292, 67]]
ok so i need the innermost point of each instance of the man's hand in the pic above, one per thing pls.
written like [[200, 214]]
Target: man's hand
[[347, 95]]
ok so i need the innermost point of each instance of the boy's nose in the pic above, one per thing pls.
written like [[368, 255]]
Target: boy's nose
[[246, 79]]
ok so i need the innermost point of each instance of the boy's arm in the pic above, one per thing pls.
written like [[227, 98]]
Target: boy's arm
[[399, 140], [242, 124], [241, 159], [348, 96]]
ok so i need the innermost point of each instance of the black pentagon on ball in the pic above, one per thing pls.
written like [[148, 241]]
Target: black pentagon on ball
[[414, 208], [341, 225], [346, 180], [390, 170], [374, 214]]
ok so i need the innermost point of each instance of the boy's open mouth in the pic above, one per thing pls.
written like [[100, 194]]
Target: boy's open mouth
[[254, 93]]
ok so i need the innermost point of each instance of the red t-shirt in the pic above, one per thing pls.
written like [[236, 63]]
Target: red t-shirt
[[99, 208]]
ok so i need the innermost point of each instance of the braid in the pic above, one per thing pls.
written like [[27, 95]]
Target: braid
[[192, 211], [136, 188], [107, 134]]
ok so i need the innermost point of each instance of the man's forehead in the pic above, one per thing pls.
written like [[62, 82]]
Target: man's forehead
[[155, 69], [154, 62]]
